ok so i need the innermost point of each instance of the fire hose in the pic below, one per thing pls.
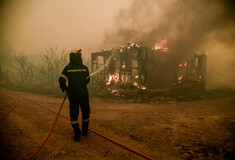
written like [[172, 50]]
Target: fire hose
[[16, 102], [58, 114], [53, 126]]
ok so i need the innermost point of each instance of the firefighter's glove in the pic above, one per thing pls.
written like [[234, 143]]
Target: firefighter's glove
[[65, 88]]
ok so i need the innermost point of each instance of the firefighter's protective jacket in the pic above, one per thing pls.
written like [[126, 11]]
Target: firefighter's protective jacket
[[77, 75]]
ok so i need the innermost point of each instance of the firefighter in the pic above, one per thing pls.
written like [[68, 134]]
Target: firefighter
[[78, 77]]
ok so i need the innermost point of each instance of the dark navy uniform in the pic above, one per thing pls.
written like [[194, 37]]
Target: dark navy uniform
[[78, 77]]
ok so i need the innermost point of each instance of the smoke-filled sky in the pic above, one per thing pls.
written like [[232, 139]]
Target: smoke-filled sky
[[206, 26], [31, 26], [188, 25]]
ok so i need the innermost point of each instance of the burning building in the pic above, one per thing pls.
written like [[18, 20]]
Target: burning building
[[135, 67]]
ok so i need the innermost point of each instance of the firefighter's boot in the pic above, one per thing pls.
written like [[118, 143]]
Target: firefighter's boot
[[77, 132], [85, 128]]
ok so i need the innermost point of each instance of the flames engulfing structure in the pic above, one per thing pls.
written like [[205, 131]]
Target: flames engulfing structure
[[188, 26], [134, 67]]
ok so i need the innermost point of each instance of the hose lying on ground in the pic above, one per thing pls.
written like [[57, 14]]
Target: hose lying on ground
[[16, 102], [53, 126], [58, 114]]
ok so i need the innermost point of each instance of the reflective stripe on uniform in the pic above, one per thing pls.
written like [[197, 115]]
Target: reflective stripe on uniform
[[85, 120], [74, 122], [63, 76], [87, 77], [77, 70]]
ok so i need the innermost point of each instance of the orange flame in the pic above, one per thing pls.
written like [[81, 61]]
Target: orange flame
[[114, 77], [161, 46], [123, 65], [142, 87], [180, 78]]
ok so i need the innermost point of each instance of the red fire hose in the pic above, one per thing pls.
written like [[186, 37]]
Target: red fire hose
[[16, 102], [50, 130], [58, 114]]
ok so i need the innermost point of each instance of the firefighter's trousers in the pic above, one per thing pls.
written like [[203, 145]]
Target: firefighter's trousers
[[74, 103]]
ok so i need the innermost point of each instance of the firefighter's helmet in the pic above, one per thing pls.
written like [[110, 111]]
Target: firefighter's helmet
[[76, 52]]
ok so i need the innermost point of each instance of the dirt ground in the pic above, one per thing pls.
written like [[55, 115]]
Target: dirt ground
[[200, 129]]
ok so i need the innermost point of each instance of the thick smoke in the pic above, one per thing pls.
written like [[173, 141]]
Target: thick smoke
[[188, 26]]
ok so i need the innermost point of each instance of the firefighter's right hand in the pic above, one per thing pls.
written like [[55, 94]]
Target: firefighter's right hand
[[64, 89]]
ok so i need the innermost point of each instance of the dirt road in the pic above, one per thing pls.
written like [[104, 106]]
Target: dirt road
[[202, 129]]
